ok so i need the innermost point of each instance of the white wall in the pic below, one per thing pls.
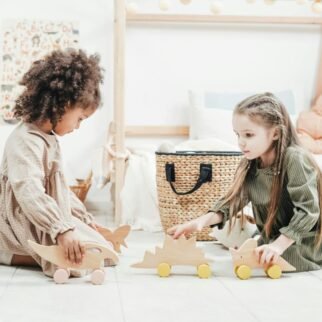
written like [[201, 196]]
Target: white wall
[[163, 62], [96, 35]]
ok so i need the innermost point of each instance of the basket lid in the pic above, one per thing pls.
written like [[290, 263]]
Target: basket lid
[[192, 153]]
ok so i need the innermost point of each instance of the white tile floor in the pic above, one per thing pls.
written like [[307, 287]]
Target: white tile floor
[[134, 295]]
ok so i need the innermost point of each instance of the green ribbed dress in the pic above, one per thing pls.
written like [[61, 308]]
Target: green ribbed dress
[[298, 212]]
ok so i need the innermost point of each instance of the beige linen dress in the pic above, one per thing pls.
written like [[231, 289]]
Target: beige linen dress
[[35, 200]]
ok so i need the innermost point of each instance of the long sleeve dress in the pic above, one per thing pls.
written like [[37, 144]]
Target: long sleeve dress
[[298, 212], [35, 200]]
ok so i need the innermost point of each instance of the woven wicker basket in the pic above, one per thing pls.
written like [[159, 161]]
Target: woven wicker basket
[[186, 168], [82, 187]]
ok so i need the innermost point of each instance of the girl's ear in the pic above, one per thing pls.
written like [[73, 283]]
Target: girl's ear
[[276, 135]]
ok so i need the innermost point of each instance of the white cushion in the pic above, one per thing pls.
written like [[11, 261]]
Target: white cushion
[[212, 123], [211, 113], [227, 100], [209, 144]]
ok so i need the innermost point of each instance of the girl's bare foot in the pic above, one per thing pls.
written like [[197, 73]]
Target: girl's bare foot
[[23, 260]]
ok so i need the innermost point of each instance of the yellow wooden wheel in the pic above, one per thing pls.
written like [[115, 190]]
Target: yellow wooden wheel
[[243, 272], [204, 271], [274, 271], [164, 269]]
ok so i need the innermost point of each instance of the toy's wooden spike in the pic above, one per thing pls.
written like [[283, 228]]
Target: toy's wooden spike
[[249, 244], [174, 252], [168, 240], [192, 240], [149, 261], [182, 240]]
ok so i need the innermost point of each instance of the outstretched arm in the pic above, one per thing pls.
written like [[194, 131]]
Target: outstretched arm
[[197, 224]]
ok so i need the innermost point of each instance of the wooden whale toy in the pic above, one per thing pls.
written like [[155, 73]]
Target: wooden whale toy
[[94, 256], [244, 259]]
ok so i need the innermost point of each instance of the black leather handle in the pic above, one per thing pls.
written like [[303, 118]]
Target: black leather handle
[[205, 175]]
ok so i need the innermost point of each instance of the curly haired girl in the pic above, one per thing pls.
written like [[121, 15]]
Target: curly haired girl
[[61, 91]]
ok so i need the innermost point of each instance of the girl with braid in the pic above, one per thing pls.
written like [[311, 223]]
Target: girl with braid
[[280, 179]]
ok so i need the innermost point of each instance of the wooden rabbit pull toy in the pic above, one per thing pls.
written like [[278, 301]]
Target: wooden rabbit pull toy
[[176, 252], [94, 255], [244, 258]]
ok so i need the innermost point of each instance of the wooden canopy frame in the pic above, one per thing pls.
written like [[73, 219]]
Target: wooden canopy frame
[[121, 21]]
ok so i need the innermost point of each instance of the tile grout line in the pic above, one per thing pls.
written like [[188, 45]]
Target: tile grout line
[[8, 283], [241, 303], [120, 295]]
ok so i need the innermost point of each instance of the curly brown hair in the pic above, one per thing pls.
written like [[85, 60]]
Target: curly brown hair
[[62, 79]]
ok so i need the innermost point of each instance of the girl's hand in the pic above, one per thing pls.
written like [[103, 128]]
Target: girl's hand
[[73, 249], [195, 224], [185, 228], [268, 254]]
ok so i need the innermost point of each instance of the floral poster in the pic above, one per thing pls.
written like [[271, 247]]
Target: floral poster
[[24, 41]]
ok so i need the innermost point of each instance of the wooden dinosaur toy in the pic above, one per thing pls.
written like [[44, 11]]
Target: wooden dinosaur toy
[[94, 255], [116, 237], [180, 251], [244, 258]]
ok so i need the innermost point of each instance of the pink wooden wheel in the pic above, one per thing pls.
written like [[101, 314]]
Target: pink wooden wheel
[[61, 276], [98, 277]]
